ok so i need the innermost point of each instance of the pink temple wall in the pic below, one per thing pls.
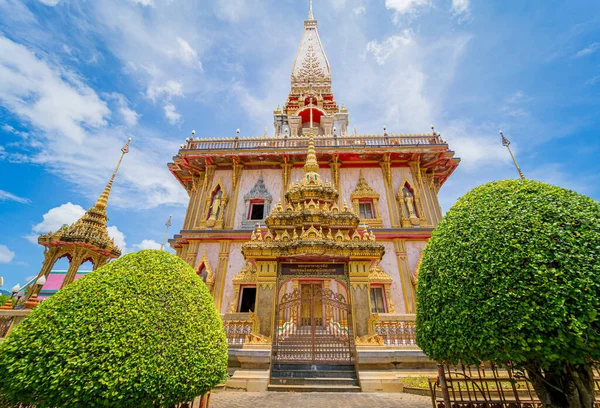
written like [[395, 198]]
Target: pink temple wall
[[399, 174], [413, 250], [349, 179], [389, 263]]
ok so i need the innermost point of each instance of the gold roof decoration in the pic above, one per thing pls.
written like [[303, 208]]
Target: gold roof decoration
[[363, 189], [247, 274], [312, 224], [378, 275], [90, 230]]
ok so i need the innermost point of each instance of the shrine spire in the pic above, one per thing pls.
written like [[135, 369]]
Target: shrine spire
[[310, 12]]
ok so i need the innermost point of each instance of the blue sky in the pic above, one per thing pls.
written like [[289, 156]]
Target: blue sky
[[77, 78]]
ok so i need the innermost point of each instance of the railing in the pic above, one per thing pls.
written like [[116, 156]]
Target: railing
[[350, 141], [393, 330], [487, 386], [238, 327], [398, 331], [9, 318]]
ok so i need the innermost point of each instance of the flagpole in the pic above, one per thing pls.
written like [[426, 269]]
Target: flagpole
[[167, 225], [506, 143]]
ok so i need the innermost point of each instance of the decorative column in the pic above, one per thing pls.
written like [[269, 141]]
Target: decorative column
[[415, 170], [327, 124], [237, 176], [335, 164], [222, 272], [386, 170], [408, 290], [199, 211], [266, 280], [286, 174], [194, 193], [359, 294], [76, 261]]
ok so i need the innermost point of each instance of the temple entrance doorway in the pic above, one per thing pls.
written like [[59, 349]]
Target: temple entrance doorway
[[313, 323]]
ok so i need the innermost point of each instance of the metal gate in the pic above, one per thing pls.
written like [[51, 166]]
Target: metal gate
[[313, 326]]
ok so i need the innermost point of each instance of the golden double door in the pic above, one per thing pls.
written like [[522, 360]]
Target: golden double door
[[313, 326]]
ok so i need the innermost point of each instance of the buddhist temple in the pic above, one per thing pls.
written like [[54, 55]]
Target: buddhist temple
[[310, 239]]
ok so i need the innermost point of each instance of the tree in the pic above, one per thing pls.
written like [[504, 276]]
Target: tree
[[3, 298], [141, 331], [512, 274]]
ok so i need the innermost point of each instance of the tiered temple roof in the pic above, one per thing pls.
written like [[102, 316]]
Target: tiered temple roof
[[310, 224]]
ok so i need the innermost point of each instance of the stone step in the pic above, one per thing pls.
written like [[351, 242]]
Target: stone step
[[314, 388], [312, 367], [315, 381], [313, 374]]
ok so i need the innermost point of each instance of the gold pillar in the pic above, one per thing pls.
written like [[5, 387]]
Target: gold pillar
[[195, 193], [359, 295], [221, 272], [76, 261], [408, 290], [415, 170], [235, 189], [386, 170], [286, 174], [207, 184], [266, 294]]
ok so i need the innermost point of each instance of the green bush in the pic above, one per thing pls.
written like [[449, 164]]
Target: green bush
[[141, 331], [3, 299], [512, 273]]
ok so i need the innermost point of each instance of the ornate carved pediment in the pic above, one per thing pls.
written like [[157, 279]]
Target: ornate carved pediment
[[363, 190], [378, 275], [214, 207], [258, 192], [246, 275], [210, 276]]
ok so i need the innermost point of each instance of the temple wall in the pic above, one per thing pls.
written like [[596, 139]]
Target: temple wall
[[413, 250], [389, 263], [296, 174], [235, 265], [272, 180], [349, 179]]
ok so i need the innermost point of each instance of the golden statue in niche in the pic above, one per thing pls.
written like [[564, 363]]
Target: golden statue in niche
[[409, 204], [215, 207]]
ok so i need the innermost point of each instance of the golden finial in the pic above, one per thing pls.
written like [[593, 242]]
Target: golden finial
[[167, 225], [103, 200], [506, 143], [311, 164]]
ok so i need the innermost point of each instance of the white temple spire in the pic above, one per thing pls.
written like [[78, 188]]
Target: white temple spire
[[310, 11]]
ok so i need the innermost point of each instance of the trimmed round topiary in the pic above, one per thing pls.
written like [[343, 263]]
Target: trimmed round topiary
[[512, 273], [141, 331]]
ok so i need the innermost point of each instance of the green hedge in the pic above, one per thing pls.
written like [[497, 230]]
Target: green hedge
[[513, 273], [141, 331]]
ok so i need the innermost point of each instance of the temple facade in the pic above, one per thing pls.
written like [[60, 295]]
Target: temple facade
[[310, 239]]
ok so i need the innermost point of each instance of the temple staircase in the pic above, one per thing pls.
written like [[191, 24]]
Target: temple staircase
[[331, 371]]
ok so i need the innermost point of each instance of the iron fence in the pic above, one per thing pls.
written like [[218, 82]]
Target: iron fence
[[487, 386]]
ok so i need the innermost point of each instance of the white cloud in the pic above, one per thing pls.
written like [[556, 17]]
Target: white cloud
[[187, 53], [130, 117], [169, 89], [50, 2], [118, 237], [460, 7], [359, 10], [56, 217], [590, 49], [143, 2], [6, 196], [171, 114], [147, 244], [233, 10], [6, 255], [406, 6], [382, 50], [52, 99]]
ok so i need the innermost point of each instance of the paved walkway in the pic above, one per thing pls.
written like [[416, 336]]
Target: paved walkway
[[239, 399]]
